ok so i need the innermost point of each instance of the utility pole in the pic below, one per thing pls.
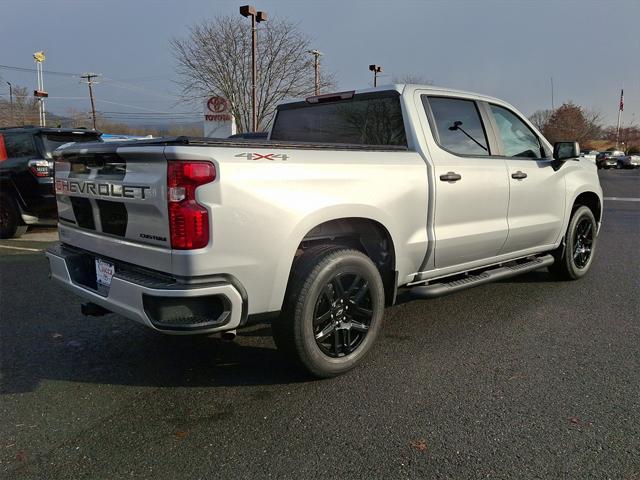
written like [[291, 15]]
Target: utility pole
[[376, 69], [553, 107], [316, 69], [11, 102], [89, 81], [256, 17]]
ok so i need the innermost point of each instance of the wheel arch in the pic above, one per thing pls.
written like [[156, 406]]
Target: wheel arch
[[592, 201], [364, 231]]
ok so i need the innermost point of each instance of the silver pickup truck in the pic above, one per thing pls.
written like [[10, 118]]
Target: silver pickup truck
[[354, 195]]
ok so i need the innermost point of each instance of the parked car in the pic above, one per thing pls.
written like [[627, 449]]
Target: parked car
[[26, 175], [608, 159], [354, 195], [589, 155], [629, 161]]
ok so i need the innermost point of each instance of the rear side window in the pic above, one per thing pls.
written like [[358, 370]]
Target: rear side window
[[458, 125], [517, 138], [19, 145], [363, 120]]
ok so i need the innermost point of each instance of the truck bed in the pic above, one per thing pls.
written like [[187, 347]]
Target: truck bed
[[231, 143]]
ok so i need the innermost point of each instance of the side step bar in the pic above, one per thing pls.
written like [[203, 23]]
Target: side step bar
[[498, 273]]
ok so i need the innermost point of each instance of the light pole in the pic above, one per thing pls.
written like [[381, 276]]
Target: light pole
[[316, 69], [256, 17], [376, 69], [11, 101]]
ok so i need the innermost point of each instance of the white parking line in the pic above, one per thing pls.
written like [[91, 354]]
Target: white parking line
[[623, 199], [21, 248]]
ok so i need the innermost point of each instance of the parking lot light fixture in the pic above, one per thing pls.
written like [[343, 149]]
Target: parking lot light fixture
[[376, 69], [256, 17]]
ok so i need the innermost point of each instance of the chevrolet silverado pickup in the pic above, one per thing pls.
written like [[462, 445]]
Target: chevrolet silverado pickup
[[353, 196]]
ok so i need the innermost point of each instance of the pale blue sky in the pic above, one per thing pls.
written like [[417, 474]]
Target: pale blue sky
[[508, 49]]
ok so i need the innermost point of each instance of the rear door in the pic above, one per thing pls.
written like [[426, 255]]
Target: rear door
[[471, 187], [537, 189]]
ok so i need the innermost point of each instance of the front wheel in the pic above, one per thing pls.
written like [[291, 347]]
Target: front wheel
[[333, 310], [574, 258]]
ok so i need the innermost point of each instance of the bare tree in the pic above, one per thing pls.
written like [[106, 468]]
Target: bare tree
[[215, 58], [628, 137], [539, 118], [412, 78], [25, 109]]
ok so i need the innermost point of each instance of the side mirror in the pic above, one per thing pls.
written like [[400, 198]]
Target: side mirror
[[566, 150]]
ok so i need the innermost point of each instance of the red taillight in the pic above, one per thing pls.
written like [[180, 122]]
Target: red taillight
[[40, 168], [3, 149], [188, 220]]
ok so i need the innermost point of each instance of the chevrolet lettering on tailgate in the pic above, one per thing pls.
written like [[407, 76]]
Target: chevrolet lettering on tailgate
[[103, 189]]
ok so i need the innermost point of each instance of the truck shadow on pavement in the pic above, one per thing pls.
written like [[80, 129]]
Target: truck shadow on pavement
[[131, 355], [49, 340]]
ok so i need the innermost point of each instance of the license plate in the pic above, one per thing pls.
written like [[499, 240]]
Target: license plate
[[104, 272]]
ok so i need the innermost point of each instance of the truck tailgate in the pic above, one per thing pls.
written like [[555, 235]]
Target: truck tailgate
[[112, 200]]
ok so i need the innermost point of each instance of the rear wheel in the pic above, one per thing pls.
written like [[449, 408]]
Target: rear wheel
[[11, 225], [574, 258], [333, 310]]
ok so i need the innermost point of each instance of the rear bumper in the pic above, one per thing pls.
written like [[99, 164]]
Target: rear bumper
[[159, 302]]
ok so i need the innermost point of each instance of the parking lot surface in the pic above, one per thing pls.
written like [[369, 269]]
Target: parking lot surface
[[525, 378]]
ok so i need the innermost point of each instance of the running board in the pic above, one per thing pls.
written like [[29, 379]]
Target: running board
[[498, 273]]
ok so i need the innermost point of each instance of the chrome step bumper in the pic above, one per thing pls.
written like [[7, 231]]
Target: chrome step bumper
[[139, 300]]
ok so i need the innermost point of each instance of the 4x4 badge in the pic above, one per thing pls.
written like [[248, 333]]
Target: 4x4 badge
[[263, 156]]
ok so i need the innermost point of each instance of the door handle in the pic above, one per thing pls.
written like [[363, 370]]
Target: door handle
[[450, 177], [519, 175]]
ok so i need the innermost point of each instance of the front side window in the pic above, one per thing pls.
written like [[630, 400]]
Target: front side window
[[517, 138], [19, 145], [458, 125]]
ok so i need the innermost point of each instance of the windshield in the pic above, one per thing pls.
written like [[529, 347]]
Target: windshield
[[367, 119], [54, 140]]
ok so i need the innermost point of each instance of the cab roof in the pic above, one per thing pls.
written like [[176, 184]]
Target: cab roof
[[408, 89]]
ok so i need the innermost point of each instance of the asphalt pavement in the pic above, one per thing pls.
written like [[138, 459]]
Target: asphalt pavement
[[525, 378]]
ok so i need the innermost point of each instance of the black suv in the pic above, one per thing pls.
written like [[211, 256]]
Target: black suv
[[27, 194]]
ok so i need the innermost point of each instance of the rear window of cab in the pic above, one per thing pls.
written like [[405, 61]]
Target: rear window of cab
[[365, 119]]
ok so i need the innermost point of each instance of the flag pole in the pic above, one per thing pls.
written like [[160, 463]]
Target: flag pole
[[620, 109]]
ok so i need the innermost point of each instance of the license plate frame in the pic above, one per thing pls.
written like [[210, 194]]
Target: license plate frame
[[104, 272]]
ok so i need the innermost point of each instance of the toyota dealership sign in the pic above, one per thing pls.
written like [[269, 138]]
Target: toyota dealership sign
[[218, 120]]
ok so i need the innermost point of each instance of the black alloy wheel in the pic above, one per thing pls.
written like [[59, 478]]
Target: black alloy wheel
[[342, 315], [582, 243], [332, 310], [573, 258]]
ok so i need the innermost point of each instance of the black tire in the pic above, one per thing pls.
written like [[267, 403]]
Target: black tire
[[314, 330], [11, 225], [574, 257]]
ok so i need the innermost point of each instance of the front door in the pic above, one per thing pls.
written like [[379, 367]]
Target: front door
[[537, 190], [471, 187]]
